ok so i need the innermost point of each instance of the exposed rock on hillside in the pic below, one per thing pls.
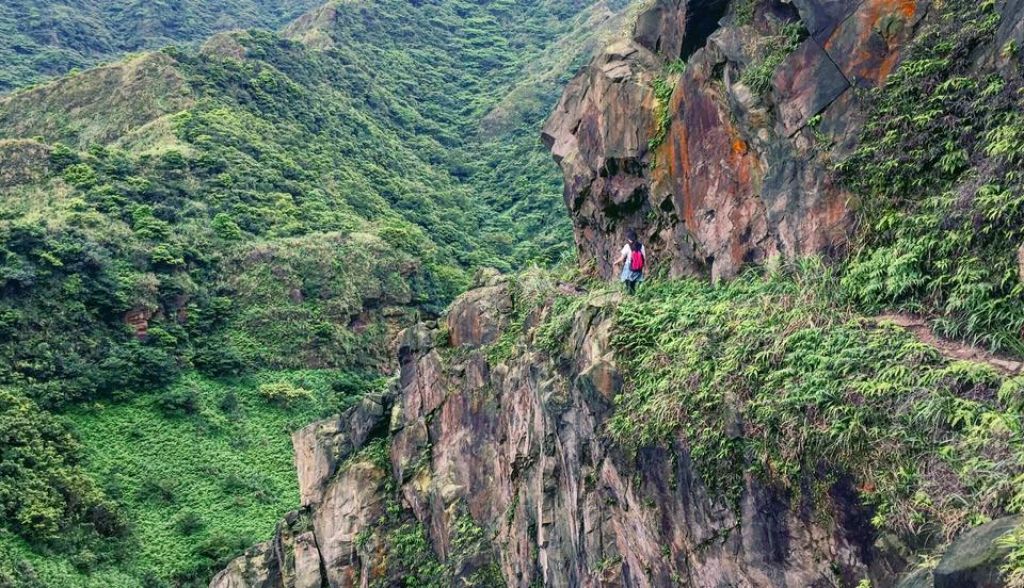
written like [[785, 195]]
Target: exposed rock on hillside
[[516, 448], [519, 446], [973, 560], [722, 173], [505, 465], [341, 497]]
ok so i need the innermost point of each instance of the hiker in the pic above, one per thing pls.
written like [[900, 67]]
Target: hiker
[[634, 260]]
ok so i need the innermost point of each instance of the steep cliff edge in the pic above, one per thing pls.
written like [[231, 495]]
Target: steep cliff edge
[[541, 437], [770, 429]]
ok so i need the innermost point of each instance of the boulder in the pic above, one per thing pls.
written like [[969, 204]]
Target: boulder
[[306, 573], [599, 135], [975, 558], [821, 17]]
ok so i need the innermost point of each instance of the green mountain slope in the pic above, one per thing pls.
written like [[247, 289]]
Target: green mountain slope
[[44, 38], [177, 220]]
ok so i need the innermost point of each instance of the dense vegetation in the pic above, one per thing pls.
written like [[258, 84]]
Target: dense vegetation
[[268, 202], [820, 392], [938, 171], [177, 481], [43, 38]]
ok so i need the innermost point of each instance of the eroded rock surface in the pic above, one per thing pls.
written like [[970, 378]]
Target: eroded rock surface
[[972, 561], [342, 496], [506, 465], [730, 176], [521, 451], [322, 446]]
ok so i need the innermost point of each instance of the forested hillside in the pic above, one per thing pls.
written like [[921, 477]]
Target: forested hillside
[[185, 234], [45, 38]]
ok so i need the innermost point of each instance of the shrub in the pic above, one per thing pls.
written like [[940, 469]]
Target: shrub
[[229, 404], [226, 228], [177, 402], [80, 175], [284, 393], [163, 490], [42, 489], [188, 523], [766, 375]]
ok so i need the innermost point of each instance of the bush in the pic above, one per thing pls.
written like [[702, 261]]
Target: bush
[[284, 393], [188, 523], [80, 175], [161, 490], [177, 402], [229, 404], [219, 358], [135, 366], [226, 228]]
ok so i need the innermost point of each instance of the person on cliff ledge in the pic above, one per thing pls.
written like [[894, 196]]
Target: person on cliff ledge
[[633, 260]]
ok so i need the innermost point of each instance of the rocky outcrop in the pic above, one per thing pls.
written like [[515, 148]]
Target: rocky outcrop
[[518, 445], [322, 447], [342, 497], [974, 560], [504, 464], [479, 316], [727, 175]]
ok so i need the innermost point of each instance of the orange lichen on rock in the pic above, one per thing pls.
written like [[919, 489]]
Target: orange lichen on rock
[[739, 146], [866, 46]]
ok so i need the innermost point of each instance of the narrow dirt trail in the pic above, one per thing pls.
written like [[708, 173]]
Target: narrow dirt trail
[[952, 349]]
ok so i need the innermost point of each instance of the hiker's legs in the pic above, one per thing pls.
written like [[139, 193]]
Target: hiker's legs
[[631, 286]]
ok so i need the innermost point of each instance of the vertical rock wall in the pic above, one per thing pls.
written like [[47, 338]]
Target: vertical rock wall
[[729, 175]]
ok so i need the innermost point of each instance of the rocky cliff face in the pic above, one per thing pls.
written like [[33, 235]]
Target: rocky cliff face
[[730, 163], [514, 447], [498, 467], [518, 445]]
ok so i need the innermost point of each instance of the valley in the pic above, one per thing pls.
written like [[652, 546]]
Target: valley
[[316, 307]]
